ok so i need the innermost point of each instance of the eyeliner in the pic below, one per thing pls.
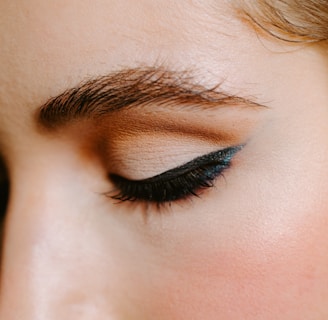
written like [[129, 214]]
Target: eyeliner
[[221, 157]]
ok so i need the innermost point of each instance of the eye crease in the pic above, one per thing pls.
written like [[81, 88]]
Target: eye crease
[[175, 184]]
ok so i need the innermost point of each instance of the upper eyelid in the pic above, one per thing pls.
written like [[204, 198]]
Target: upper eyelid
[[210, 158]]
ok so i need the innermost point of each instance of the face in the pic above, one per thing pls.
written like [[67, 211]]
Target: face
[[165, 162]]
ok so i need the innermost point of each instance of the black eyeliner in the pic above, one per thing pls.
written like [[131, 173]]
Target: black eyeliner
[[176, 183]]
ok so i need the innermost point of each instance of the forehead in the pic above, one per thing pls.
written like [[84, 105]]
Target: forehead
[[73, 30], [50, 46], [42, 40]]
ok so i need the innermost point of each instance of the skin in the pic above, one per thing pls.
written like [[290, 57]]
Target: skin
[[253, 247]]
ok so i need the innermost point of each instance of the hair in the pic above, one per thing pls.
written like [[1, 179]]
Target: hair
[[289, 20]]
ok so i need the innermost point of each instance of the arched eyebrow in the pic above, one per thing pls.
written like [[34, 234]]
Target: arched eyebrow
[[133, 88]]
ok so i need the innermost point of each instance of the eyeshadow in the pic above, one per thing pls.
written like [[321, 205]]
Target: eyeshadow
[[225, 128]]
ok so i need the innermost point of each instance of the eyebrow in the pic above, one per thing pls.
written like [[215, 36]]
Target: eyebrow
[[133, 88]]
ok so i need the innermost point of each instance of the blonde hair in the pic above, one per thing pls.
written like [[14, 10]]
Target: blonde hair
[[289, 20]]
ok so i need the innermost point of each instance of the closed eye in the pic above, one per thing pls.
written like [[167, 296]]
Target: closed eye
[[176, 184]]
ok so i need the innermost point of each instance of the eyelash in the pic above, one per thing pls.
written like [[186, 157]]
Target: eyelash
[[176, 184]]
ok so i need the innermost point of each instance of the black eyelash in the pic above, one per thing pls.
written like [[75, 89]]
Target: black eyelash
[[178, 183]]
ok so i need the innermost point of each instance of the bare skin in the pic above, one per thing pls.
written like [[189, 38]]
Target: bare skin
[[253, 247]]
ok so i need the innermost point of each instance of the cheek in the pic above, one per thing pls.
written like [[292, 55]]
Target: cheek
[[270, 263], [283, 279]]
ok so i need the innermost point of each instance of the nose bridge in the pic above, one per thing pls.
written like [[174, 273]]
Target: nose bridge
[[27, 275], [18, 261], [44, 273]]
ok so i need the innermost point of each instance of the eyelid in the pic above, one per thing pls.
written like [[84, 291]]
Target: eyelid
[[176, 184], [224, 156]]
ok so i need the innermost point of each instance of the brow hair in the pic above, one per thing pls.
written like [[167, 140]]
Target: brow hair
[[129, 88]]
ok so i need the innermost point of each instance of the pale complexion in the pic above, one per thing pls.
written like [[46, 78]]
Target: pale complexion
[[253, 247]]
